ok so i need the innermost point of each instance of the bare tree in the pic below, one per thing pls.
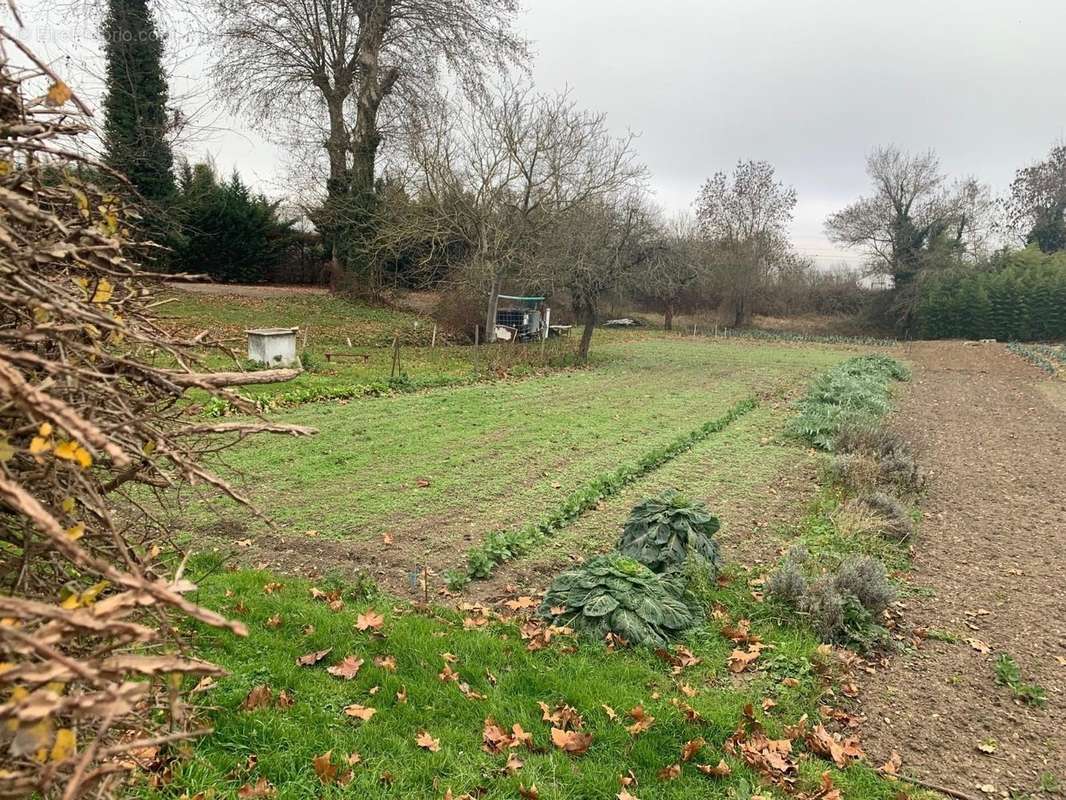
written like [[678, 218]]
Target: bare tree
[[345, 58], [674, 272], [745, 217], [914, 218], [495, 174], [593, 248], [1036, 209]]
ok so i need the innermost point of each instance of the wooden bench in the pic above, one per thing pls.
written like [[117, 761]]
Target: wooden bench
[[341, 356]]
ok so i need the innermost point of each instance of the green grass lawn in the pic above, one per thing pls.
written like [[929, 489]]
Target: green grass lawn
[[279, 744], [447, 466]]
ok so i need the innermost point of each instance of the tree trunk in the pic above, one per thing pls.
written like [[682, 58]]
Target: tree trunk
[[373, 85], [490, 311], [337, 145], [589, 319], [668, 316]]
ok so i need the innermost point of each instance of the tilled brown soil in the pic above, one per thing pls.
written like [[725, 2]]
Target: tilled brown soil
[[989, 569]]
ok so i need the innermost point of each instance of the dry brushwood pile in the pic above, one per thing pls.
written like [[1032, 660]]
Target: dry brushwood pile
[[91, 670]]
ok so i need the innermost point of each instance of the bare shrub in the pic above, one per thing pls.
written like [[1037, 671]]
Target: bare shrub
[[787, 584], [88, 645], [853, 472], [897, 523], [825, 608], [866, 579]]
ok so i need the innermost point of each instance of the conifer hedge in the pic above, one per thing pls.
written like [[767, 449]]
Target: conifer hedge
[[1022, 298]]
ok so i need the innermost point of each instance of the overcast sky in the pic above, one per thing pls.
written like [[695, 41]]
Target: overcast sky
[[809, 85]]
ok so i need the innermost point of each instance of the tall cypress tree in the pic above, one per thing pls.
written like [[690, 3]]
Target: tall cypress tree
[[135, 114]]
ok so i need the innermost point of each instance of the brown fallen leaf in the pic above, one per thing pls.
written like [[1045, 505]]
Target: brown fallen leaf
[[324, 768], [610, 712], [347, 669], [272, 587], [494, 739], [360, 712], [624, 794], [448, 675], [285, 700], [573, 742], [519, 737], [513, 765], [309, 659], [387, 663], [274, 621], [371, 620], [522, 603], [427, 742], [530, 793], [740, 660], [692, 747], [721, 771], [401, 695], [641, 720], [259, 697], [261, 788], [981, 647], [891, 767], [387, 538], [669, 773]]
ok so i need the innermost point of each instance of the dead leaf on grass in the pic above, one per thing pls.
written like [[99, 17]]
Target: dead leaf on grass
[[641, 720], [692, 747], [371, 620], [891, 767], [427, 742], [721, 771], [401, 695], [347, 669], [274, 621], [387, 663], [574, 742], [259, 697], [669, 773], [261, 788], [360, 712], [324, 768], [310, 659], [528, 794]]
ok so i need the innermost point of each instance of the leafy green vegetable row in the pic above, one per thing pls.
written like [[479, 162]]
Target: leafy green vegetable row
[[501, 546]]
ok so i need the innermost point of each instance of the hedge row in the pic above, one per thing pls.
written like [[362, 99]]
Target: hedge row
[[1022, 299]]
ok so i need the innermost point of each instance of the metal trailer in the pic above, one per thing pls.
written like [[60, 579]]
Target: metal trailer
[[523, 319]]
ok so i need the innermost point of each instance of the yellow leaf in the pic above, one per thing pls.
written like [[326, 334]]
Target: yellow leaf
[[7, 452], [58, 94], [41, 315], [45, 430], [149, 448], [89, 595], [83, 207], [39, 445], [75, 532], [72, 451], [64, 745], [69, 505], [65, 450], [70, 602], [5, 167], [83, 457], [103, 292]]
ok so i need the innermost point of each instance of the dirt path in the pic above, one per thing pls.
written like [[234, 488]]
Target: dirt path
[[990, 567]]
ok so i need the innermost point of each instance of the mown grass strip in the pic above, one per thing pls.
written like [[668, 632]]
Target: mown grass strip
[[501, 546]]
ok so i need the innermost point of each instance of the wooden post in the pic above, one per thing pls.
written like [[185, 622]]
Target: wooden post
[[304, 347], [476, 343], [395, 355], [433, 341]]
